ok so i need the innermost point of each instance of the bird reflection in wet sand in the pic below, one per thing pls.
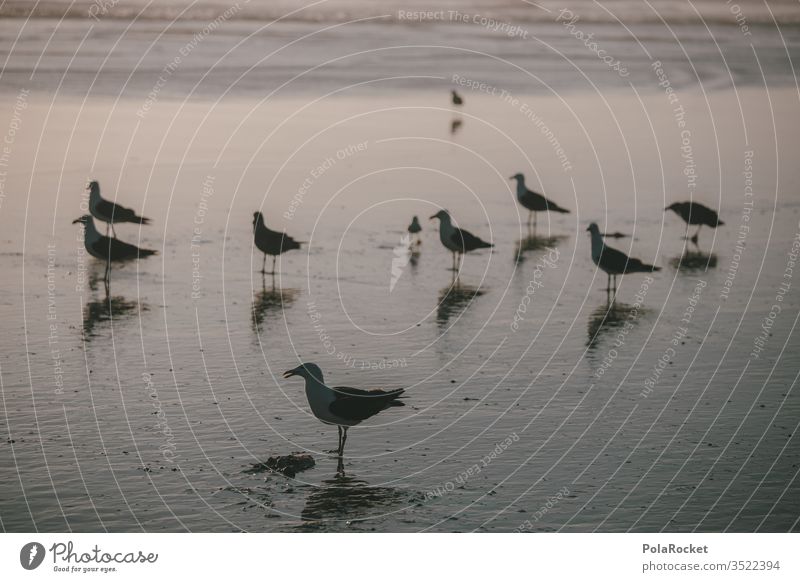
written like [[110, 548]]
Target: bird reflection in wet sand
[[455, 125], [535, 243], [454, 300], [609, 317], [691, 261], [344, 499], [270, 300], [109, 309]]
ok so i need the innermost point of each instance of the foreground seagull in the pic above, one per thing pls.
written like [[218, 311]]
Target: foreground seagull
[[108, 249], [534, 201], [696, 213], [456, 240], [271, 242], [110, 212], [612, 261], [342, 406], [457, 99]]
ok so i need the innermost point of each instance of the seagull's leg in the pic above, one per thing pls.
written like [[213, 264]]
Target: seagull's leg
[[274, 258], [339, 445], [694, 238], [344, 440], [114, 232], [264, 264]]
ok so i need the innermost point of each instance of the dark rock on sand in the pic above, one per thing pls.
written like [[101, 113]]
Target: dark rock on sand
[[288, 465]]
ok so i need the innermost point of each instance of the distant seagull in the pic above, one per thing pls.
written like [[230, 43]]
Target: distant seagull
[[342, 406], [457, 99], [696, 213], [414, 229], [457, 240], [534, 201], [108, 249], [110, 212], [271, 242], [612, 261]]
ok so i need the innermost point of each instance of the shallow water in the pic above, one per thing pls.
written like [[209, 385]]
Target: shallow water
[[145, 408]]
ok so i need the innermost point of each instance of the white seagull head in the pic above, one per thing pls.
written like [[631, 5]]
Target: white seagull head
[[308, 371]]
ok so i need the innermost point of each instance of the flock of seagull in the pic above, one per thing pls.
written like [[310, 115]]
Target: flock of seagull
[[344, 406]]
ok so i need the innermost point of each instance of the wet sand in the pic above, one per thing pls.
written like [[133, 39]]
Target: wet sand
[[145, 409]]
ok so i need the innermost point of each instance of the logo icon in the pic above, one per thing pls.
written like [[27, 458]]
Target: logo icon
[[31, 555]]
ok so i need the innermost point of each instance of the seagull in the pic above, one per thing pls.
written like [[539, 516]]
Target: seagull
[[414, 229], [110, 212], [457, 99], [533, 201], [695, 213], [342, 406], [108, 249], [457, 240], [271, 242], [612, 261]]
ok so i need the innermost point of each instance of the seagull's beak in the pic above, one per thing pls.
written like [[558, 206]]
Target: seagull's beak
[[588, 229], [289, 373], [76, 221], [511, 177], [432, 217]]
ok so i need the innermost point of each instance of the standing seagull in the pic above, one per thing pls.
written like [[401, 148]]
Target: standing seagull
[[108, 249], [414, 229], [271, 242], [110, 212], [342, 406], [534, 201], [695, 213], [457, 240], [612, 261], [456, 98]]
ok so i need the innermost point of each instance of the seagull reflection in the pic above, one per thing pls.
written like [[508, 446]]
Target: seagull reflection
[[455, 124], [270, 300], [609, 317], [454, 300], [347, 498], [108, 310], [691, 261], [535, 243]]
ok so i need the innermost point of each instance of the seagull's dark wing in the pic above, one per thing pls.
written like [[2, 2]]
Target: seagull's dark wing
[[117, 250], [619, 262], [274, 242], [109, 211], [358, 405], [468, 241]]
